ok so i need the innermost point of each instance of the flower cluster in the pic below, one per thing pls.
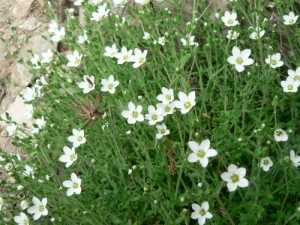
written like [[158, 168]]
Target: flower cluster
[[138, 58], [166, 107]]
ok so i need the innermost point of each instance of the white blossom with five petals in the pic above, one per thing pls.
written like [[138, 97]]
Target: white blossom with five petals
[[133, 114], [201, 212], [185, 102], [240, 59], [235, 177], [39, 208], [109, 84], [201, 152]]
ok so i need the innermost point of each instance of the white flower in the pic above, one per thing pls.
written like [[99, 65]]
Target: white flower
[[30, 94], [1, 202], [109, 84], [166, 109], [167, 96], [39, 208], [133, 114], [24, 204], [274, 60], [161, 40], [154, 115], [40, 124], [201, 212], [101, 13], [20, 187], [11, 130], [280, 135], [138, 58], [235, 177], [47, 56], [58, 34], [142, 2], [22, 219], [96, 2], [266, 163], [290, 85], [53, 26], [229, 19], [240, 59], [8, 167], [186, 102], [111, 51], [35, 60], [290, 19], [88, 84], [294, 158], [129, 171], [146, 36], [257, 33], [29, 171], [201, 152], [120, 3], [232, 35], [124, 55], [77, 138], [75, 59], [188, 41], [41, 81], [82, 39], [69, 157], [161, 131], [78, 2], [295, 75], [73, 185]]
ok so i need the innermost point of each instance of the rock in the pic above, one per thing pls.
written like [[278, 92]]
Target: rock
[[20, 72], [16, 111], [21, 75], [21, 8], [31, 24], [38, 45]]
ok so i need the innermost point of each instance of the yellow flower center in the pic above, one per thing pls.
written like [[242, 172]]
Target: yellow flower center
[[200, 153], [154, 117], [41, 208], [79, 138], [135, 114], [168, 97], [73, 157], [202, 212], [110, 86], [77, 62], [290, 87], [234, 178], [125, 58], [274, 62], [26, 222], [167, 109], [91, 85], [279, 133], [239, 61], [291, 21], [162, 131], [141, 60], [187, 105], [297, 78], [266, 162], [75, 185], [230, 21]]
